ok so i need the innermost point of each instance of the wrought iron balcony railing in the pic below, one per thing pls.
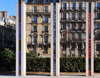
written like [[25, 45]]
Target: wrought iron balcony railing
[[39, 2], [97, 38], [45, 21], [35, 42], [38, 11], [73, 8], [34, 21], [97, 8], [45, 31], [34, 31]]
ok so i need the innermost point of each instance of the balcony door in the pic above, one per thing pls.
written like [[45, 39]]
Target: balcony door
[[46, 28], [64, 6], [35, 9], [80, 6], [46, 19], [35, 18], [46, 9], [73, 6], [98, 6], [35, 28], [35, 39], [64, 15], [46, 39]]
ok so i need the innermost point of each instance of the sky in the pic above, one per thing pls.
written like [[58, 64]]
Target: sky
[[8, 5]]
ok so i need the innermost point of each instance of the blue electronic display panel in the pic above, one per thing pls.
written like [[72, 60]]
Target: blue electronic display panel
[[54, 39], [19, 39]]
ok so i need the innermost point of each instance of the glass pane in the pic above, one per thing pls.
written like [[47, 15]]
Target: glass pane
[[73, 6], [80, 6], [64, 6]]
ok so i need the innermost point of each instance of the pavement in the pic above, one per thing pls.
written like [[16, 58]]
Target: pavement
[[42, 76]]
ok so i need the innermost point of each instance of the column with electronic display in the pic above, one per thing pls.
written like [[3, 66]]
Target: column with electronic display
[[21, 38]]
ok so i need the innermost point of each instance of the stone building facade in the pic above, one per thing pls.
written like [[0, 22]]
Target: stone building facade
[[7, 33], [72, 27]]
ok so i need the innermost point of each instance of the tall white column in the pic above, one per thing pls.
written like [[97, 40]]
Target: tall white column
[[57, 39], [87, 60], [92, 38], [52, 39], [23, 39], [17, 39]]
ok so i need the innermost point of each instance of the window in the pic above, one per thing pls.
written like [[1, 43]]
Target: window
[[46, 39], [80, 6], [79, 16], [64, 6], [46, 19], [73, 26], [46, 9], [79, 46], [34, 49], [46, 1], [64, 15], [73, 16], [79, 26], [35, 39], [46, 28], [98, 15], [98, 26], [64, 36], [64, 26], [45, 50], [73, 46], [73, 6], [35, 29], [79, 36], [98, 6], [64, 47], [35, 1], [73, 35], [98, 47], [35, 18], [35, 9]]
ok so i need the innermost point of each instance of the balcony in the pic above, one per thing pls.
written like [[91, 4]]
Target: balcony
[[45, 21], [64, 40], [97, 19], [45, 33], [66, 9], [34, 42], [97, 38], [39, 2], [97, 29], [73, 19], [44, 43], [80, 30], [37, 12], [73, 30], [34, 22], [34, 33], [97, 9], [64, 30]]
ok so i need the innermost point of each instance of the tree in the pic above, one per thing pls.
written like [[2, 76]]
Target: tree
[[31, 54], [6, 57]]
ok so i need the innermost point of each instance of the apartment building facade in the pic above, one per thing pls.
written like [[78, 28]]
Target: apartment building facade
[[72, 27], [39, 27], [7, 33]]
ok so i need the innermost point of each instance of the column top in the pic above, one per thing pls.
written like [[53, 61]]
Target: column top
[[21, 1]]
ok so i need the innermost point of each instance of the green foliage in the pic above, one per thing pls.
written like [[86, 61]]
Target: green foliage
[[6, 59], [36, 64], [31, 54]]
